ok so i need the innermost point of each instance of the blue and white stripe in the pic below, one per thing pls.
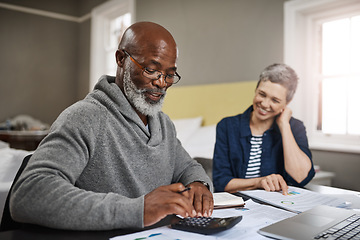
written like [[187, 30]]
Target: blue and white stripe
[[253, 168]]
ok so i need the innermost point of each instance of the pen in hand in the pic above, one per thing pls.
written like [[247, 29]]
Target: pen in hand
[[186, 189]]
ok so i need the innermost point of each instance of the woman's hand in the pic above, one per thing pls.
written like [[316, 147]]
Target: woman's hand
[[297, 163], [284, 118], [273, 182]]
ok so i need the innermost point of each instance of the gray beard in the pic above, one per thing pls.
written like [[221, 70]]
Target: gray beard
[[137, 97]]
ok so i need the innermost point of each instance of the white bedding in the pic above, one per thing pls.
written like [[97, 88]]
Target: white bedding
[[10, 161], [198, 141]]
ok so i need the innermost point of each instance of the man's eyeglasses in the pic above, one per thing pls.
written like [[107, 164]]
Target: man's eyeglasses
[[154, 74]]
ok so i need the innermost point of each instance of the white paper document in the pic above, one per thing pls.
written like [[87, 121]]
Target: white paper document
[[297, 200], [255, 216]]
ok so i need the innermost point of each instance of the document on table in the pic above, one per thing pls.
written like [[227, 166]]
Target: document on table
[[297, 200], [255, 216]]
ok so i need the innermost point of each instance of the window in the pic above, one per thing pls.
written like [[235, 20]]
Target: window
[[340, 76], [116, 29], [321, 41], [108, 23]]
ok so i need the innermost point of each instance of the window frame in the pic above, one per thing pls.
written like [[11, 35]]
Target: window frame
[[100, 19], [302, 19]]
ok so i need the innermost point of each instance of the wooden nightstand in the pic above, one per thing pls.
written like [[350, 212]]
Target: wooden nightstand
[[323, 178], [25, 140]]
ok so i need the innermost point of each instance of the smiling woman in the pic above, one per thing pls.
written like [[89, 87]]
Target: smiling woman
[[265, 147], [269, 102]]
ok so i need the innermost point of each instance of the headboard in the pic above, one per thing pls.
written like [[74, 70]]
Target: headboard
[[211, 101]]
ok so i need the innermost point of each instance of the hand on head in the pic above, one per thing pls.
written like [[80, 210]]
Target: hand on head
[[284, 117]]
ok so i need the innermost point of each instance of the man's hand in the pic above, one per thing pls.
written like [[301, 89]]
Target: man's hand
[[273, 182], [202, 199], [167, 200]]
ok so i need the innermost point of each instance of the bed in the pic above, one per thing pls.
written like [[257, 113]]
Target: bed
[[195, 111], [10, 161]]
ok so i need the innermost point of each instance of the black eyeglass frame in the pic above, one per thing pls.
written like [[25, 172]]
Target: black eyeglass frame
[[150, 71]]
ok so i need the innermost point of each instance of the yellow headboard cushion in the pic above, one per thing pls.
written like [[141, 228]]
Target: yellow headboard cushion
[[212, 101]]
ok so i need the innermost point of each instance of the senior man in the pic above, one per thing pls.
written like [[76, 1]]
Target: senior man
[[112, 160]]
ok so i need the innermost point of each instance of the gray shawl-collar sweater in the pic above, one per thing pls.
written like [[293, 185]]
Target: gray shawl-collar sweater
[[99, 160]]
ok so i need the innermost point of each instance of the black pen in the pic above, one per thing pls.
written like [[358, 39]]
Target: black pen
[[186, 189]]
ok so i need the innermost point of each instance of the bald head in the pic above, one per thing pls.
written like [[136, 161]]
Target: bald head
[[146, 35], [146, 48], [150, 44]]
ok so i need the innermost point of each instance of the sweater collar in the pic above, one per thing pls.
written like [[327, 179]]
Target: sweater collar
[[114, 95]]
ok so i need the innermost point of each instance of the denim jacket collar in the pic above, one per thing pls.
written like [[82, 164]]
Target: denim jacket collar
[[245, 123]]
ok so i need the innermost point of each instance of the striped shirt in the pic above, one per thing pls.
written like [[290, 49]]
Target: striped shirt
[[253, 168]]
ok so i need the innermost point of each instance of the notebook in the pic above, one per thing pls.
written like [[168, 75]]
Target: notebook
[[321, 222], [227, 200]]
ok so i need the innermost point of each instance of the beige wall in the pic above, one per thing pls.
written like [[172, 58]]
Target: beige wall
[[37, 65], [220, 41], [44, 62], [346, 166], [212, 102]]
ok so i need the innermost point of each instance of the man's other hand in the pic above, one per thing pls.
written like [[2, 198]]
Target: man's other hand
[[166, 200]]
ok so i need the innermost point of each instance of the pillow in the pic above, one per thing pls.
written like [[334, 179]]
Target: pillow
[[202, 142], [185, 127], [10, 161], [4, 145]]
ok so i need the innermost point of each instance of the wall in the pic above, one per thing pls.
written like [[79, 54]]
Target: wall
[[46, 58], [44, 62], [220, 41], [37, 62], [346, 167], [212, 102]]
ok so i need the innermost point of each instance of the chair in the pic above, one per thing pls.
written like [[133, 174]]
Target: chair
[[7, 223], [207, 164]]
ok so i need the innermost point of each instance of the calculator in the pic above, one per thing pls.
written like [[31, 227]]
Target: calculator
[[204, 225]]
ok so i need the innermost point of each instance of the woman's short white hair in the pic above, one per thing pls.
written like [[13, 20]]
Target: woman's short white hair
[[282, 74]]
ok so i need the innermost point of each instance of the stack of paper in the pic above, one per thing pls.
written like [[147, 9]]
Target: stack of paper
[[297, 199]]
